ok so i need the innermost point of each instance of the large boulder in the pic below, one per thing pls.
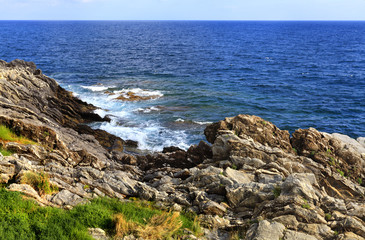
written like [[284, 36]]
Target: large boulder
[[253, 127]]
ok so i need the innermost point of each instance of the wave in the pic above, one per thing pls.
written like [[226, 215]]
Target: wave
[[180, 120], [140, 92], [147, 110], [97, 88], [149, 135]]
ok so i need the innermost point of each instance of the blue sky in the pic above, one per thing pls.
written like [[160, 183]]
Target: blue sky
[[182, 9]]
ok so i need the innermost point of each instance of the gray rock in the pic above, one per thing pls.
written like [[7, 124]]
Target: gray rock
[[97, 233], [250, 194], [7, 171], [289, 221], [300, 184], [66, 197], [265, 230], [293, 235], [24, 188], [237, 177], [212, 208]]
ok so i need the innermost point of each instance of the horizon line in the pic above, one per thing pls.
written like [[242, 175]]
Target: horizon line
[[191, 20]]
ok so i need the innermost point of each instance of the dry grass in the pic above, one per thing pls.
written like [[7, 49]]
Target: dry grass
[[39, 181], [161, 226], [123, 227]]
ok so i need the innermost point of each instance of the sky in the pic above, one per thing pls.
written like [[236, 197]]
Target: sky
[[182, 9]]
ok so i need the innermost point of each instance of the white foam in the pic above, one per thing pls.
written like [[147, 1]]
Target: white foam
[[149, 135], [180, 120], [147, 110], [203, 123], [139, 92], [97, 88]]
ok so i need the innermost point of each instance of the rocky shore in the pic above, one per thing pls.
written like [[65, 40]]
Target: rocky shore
[[251, 181]]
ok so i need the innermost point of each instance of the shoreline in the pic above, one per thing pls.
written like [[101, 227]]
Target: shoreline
[[253, 177]]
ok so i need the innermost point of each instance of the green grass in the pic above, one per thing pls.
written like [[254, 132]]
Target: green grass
[[276, 191], [24, 219], [340, 172], [9, 136], [5, 152]]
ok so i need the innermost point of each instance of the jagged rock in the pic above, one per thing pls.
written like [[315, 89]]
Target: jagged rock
[[250, 172], [289, 221], [349, 236], [300, 184], [7, 171], [265, 230], [66, 197], [28, 191], [352, 224], [317, 230], [212, 208], [198, 153], [254, 127], [238, 177], [293, 235], [250, 194], [213, 221]]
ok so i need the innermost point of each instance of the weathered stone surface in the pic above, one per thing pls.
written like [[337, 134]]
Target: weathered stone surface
[[97, 233], [212, 208], [300, 184], [293, 235], [254, 127], [248, 195], [265, 230], [289, 221], [7, 171], [66, 197]]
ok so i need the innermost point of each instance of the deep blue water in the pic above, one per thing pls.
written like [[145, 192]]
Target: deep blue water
[[294, 74]]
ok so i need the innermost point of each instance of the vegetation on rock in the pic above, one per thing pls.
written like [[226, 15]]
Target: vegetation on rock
[[6, 135], [24, 219], [39, 181]]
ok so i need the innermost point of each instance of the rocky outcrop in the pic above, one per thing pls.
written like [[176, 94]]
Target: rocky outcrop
[[253, 182]]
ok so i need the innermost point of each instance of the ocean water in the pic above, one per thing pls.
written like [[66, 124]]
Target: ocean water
[[294, 74]]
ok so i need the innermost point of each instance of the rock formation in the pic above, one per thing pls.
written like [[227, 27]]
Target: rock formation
[[253, 182]]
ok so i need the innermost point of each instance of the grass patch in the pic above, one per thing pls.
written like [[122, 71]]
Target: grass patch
[[306, 206], [5, 152], [6, 135], [24, 219], [276, 191], [39, 181], [340, 172]]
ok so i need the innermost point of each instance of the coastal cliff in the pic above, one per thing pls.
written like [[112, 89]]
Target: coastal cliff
[[253, 181]]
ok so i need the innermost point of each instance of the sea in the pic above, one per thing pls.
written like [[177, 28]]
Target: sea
[[294, 74]]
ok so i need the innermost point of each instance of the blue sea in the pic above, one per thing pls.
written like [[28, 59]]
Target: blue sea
[[294, 74]]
